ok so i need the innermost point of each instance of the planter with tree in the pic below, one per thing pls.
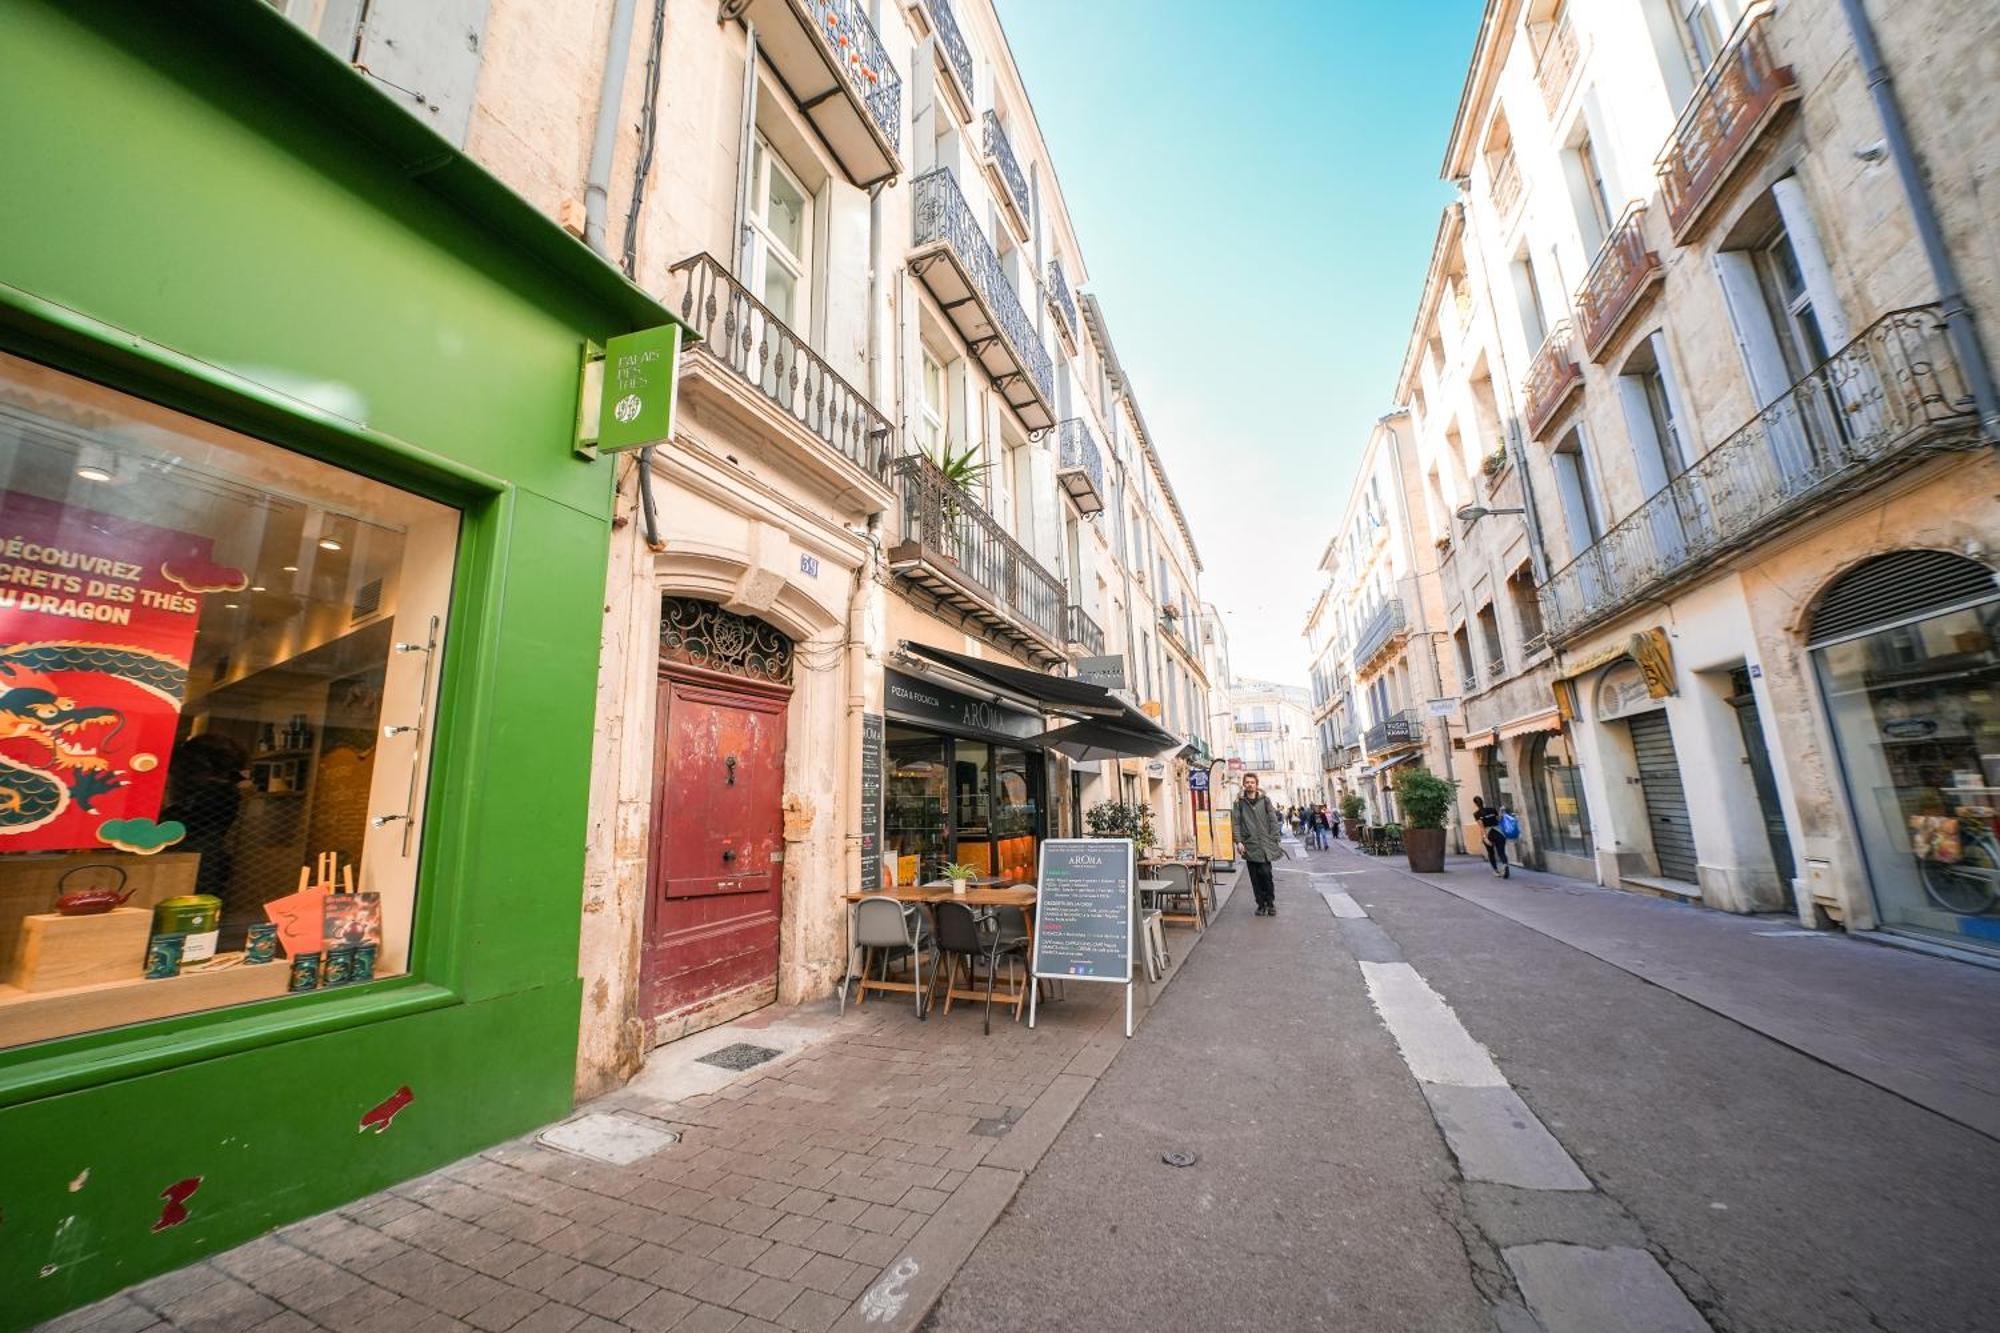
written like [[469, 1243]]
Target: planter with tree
[[1121, 819], [1425, 799], [1351, 808]]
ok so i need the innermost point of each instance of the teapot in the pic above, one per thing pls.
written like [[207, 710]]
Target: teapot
[[91, 901]]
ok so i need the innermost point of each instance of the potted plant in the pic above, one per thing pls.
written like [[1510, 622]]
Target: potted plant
[[1351, 808], [960, 876], [1121, 819], [1426, 801]]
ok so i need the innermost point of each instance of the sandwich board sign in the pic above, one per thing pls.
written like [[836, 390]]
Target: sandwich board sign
[[1083, 915]]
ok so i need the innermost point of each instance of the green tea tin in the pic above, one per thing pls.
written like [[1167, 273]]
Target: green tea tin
[[196, 915]]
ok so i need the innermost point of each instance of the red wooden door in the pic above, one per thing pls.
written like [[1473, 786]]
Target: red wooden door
[[711, 945]]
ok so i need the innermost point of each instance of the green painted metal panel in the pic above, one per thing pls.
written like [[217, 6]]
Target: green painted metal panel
[[216, 215]]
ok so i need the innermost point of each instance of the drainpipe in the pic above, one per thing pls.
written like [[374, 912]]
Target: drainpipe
[[596, 184], [597, 203], [1958, 318], [864, 608]]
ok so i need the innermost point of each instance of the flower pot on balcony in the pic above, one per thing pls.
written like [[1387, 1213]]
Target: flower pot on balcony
[[1425, 849]]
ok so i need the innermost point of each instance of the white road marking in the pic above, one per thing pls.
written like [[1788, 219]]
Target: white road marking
[[1435, 1045], [1343, 905], [1577, 1289]]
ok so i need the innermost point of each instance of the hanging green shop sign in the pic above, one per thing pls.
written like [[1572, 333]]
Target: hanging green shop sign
[[636, 403]]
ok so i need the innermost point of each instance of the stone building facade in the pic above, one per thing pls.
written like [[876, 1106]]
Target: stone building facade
[[1683, 318]]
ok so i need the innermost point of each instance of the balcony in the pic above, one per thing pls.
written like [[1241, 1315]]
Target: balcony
[[1254, 726], [1496, 668], [1003, 169], [1621, 277], [770, 372], [1556, 69], [1397, 731], [1082, 633], [1062, 305], [1890, 398], [956, 551], [1080, 466], [831, 60], [1383, 629], [953, 258], [1741, 95], [1553, 376], [954, 57]]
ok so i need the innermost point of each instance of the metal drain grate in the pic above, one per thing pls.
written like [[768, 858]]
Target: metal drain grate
[[741, 1055]]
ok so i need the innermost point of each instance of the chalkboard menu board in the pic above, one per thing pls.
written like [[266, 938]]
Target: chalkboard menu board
[[871, 802], [1083, 914]]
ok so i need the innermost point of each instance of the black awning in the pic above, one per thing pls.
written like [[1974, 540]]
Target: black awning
[[1058, 693], [1089, 742]]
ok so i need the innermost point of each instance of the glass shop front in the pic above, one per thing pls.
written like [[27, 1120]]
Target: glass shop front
[[201, 637], [962, 785]]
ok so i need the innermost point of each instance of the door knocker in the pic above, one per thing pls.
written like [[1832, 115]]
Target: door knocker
[[730, 764]]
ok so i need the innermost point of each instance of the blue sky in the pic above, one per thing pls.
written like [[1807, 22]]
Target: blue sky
[[1254, 185]]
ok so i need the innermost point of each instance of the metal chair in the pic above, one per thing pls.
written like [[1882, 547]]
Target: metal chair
[[888, 926], [1182, 894], [963, 934]]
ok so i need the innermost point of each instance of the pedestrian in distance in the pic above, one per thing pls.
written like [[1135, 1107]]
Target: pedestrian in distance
[[1259, 841], [1492, 837]]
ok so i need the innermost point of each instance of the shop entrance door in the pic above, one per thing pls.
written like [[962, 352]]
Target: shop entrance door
[[1744, 700], [711, 942], [1666, 802]]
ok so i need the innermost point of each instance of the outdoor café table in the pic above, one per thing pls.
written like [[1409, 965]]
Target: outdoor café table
[[995, 893], [1198, 873]]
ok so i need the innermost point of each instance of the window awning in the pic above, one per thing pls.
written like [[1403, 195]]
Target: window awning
[[1099, 739], [1388, 764], [1546, 720], [1058, 694]]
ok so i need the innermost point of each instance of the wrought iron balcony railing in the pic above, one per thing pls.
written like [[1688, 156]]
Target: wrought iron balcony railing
[[957, 56], [1396, 731], [831, 60], [954, 258], [1496, 667], [1739, 96], [1061, 302], [1254, 726], [957, 550], [1557, 66], [1552, 376], [1080, 466], [1383, 627], [1080, 631], [1506, 185], [739, 331], [1623, 272], [999, 151], [1887, 399]]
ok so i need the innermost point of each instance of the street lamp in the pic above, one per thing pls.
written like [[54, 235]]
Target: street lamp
[[1470, 514]]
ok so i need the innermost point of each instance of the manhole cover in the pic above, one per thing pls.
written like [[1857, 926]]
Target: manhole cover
[[1179, 1157], [741, 1055], [608, 1138]]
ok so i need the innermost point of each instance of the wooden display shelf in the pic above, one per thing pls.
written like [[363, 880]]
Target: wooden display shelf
[[26, 1017]]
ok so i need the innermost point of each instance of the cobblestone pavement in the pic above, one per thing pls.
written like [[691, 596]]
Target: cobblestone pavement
[[881, 1144]]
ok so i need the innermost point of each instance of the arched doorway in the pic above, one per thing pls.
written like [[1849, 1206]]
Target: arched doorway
[[1906, 649], [715, 878]]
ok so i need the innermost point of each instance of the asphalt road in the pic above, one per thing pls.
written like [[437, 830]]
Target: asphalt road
[[1778, 1192]]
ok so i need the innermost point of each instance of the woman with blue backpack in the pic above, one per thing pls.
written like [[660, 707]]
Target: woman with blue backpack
[[1501, 827]]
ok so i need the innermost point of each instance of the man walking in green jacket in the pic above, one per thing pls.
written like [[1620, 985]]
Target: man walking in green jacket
[[1259, 841]]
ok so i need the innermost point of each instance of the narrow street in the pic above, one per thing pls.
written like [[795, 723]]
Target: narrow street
[[1360, 1160], [1779, 1192]]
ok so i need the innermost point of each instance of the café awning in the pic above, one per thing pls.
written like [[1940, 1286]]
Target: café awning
[[1099, 739], [1058, 694]]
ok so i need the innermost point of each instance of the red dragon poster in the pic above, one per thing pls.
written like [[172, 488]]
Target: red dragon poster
[[97, 625]]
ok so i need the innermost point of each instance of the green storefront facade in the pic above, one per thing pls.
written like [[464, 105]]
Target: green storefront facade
[[213, 229]]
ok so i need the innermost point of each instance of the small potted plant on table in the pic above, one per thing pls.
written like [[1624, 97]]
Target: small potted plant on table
[[1426, 800], [960, 876]]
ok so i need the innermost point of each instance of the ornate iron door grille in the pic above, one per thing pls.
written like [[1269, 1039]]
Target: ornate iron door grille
[[702, 634]]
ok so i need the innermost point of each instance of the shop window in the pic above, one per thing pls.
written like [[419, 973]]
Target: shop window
[[217, 668], [1907, 650], [1562, 824]]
